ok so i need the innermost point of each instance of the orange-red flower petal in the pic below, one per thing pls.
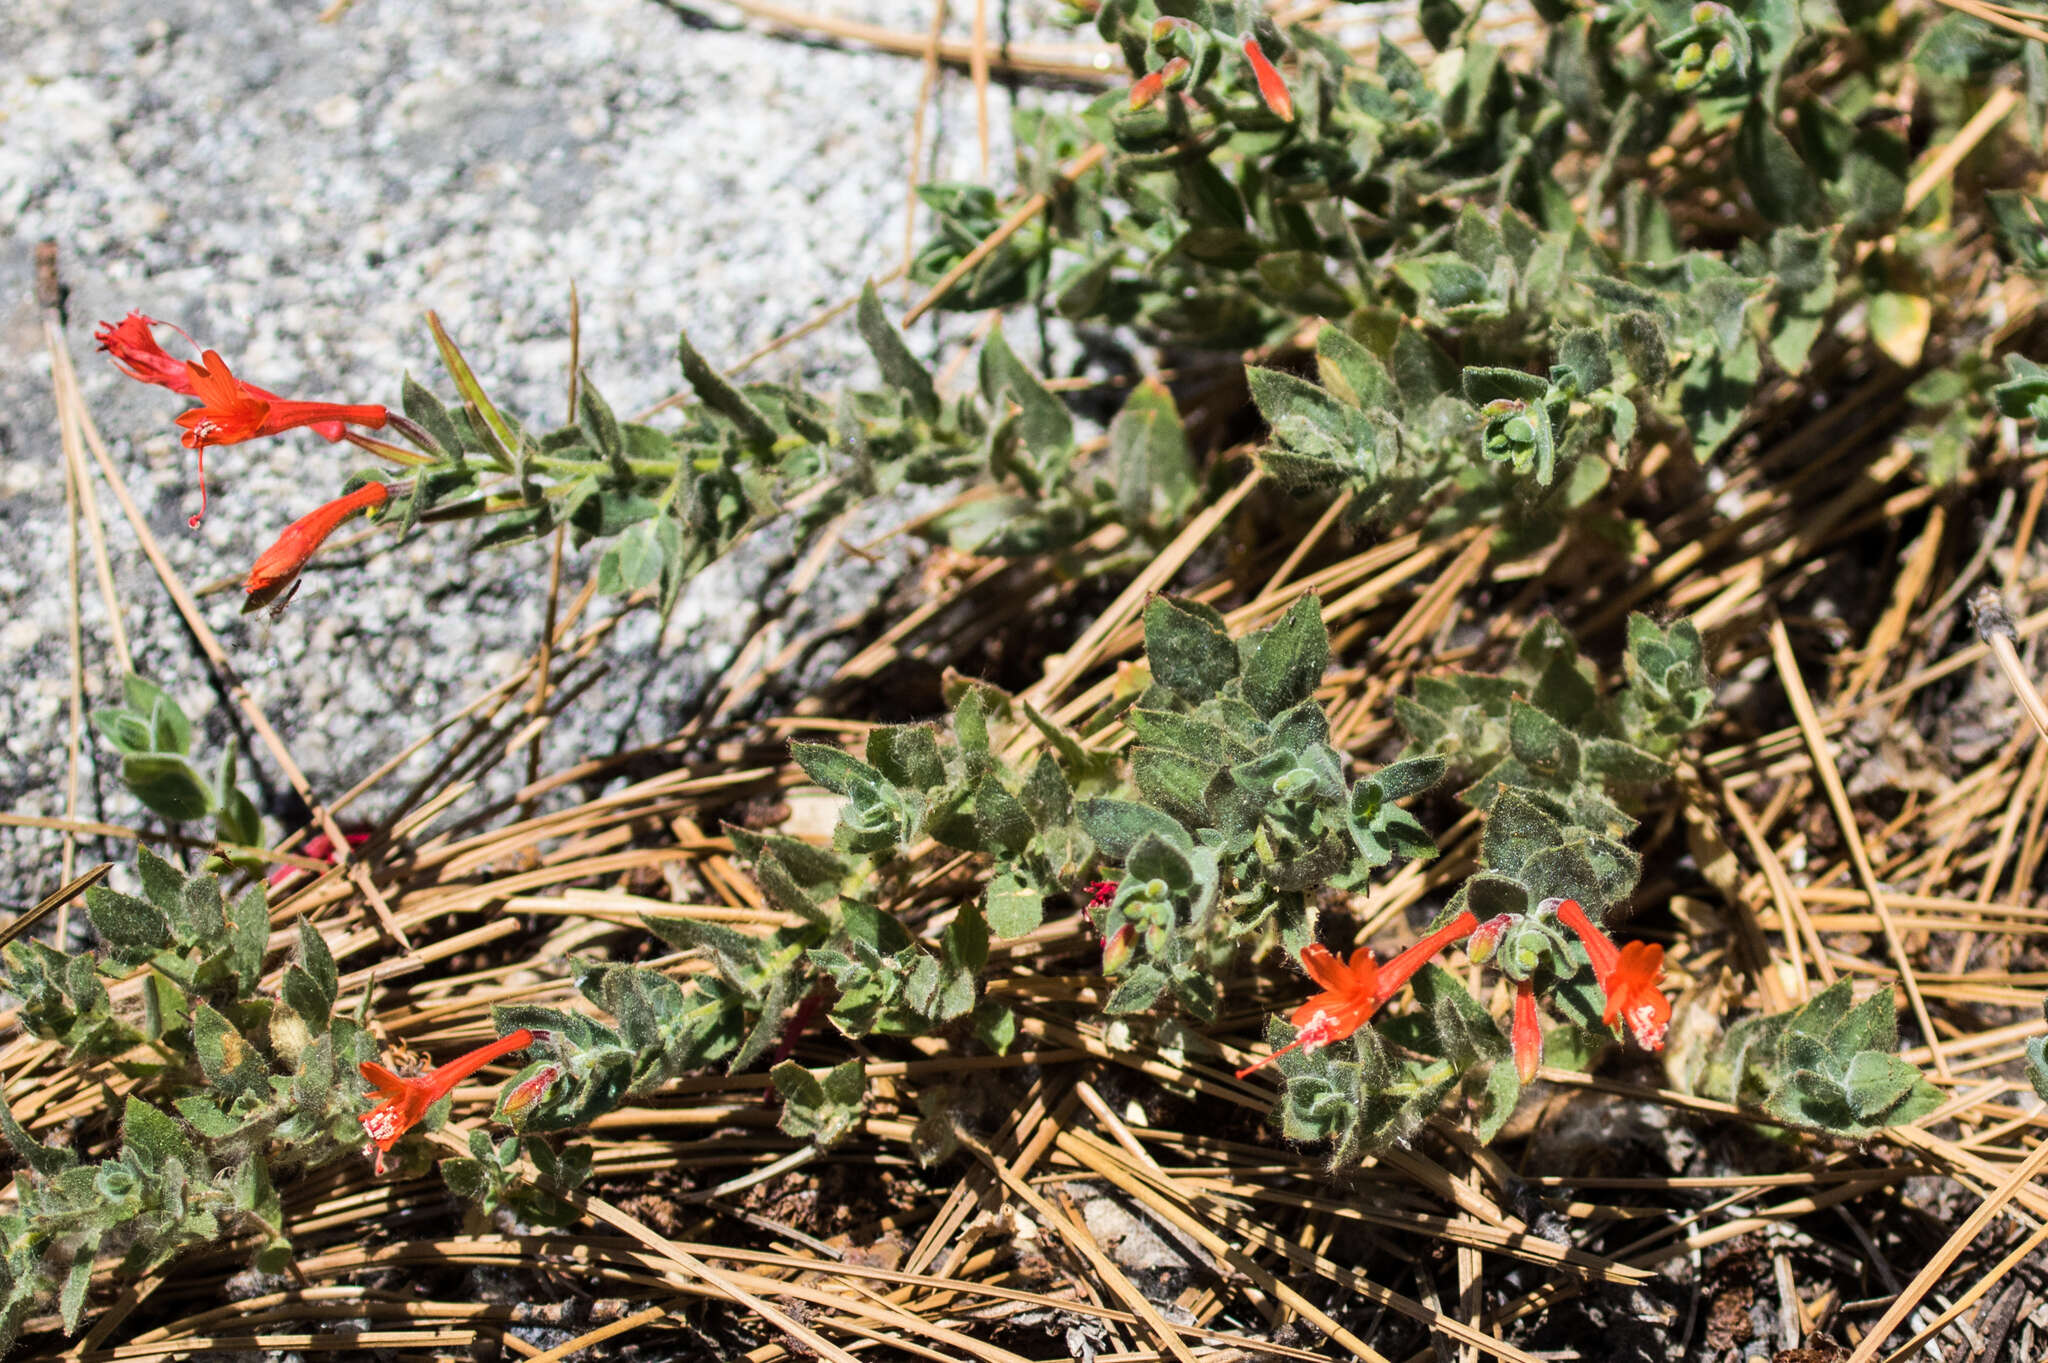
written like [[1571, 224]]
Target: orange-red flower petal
[[1272, 88], [281, 562], [1353, 991], [406, 1100]]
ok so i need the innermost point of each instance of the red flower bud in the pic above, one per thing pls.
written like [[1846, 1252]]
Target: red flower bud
[[1527, 1032], [1116, 952], [1272, 88], [281, 562], [1486, 937], [530, 1091]]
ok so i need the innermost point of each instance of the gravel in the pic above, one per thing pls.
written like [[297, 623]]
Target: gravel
[[296, 194]]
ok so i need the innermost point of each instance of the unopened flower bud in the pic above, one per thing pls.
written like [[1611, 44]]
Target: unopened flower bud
[[1167, 23], [530, 1091], [1486, 937], [1692, 55], [1116, 952], [1722, 57]]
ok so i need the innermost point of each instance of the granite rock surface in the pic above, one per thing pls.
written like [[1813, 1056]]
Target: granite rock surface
[[295, 194]]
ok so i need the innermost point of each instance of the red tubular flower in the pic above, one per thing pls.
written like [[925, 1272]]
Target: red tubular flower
[[1354, 991], [132, 345], [281, 562], [1628, 975], [1272, 88], [1527, 1032], [407, 1100], [230, 412], [320, 847]]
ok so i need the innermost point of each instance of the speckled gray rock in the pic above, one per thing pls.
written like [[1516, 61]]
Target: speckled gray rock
[[295, 194]]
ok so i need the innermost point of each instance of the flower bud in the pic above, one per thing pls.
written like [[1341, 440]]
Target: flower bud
[[1722, 57], [1486, 937], [1116, 952], [529, 1091], [1167, 23]]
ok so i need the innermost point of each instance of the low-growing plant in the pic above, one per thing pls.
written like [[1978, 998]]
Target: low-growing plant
[[226, 1087]]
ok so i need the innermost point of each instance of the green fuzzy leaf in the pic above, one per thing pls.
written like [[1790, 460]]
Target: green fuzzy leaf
[[1117, 825], [468, 1179], [907, 755], [1779, 183], [248, 936], [1583, 354], [2037, 1068], [1174, 783], [1352, 373], [162, 882], [170, 732], [1517, 828], [900, 369], [231, 1064], [133, 927], [1483, 385], [1137, 991], [1497, 1099], [71, 1298], [167, 786], [47, 1160], [1015, 906], [1875, 1084], [1287, 662], [1000, 819], [721, 397], [1542, 744], [835, 770], [124, 730], [428, 413], [318, 962], [1043, 423], [151, 1139], [1156, 480], [1188, 647]]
